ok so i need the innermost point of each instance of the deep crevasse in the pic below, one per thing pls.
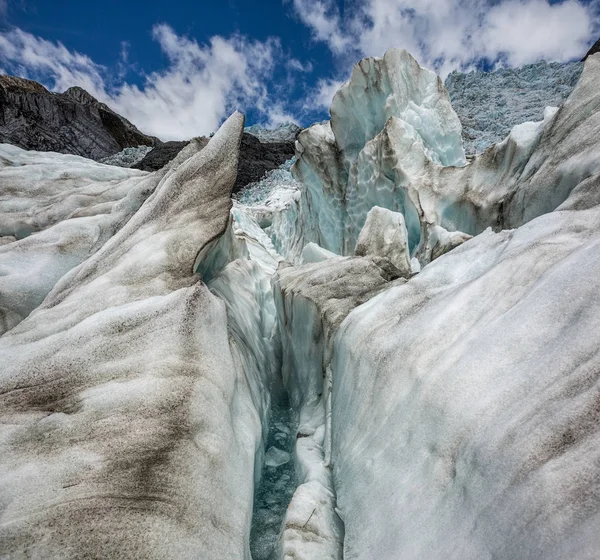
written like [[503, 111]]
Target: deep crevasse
[[301, 520], [279, 480]]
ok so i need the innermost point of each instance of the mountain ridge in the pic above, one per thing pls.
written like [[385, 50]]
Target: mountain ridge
[[73, 122]]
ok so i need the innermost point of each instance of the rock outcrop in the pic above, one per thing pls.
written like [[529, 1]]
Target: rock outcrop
[[162, 154], [73, 122], [256, 158]]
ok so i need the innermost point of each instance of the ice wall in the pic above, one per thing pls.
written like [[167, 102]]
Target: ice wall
[[420, 172], [274, 204], [391, 117], [312, 300], [464, 417], [465, 401], [454, 433], [490, 104], [129, 429]]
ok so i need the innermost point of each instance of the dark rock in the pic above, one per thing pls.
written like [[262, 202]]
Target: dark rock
[[256, 158], [162, 154], [595, 48], [73, 122]]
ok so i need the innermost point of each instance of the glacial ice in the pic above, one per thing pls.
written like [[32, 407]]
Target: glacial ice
[[332, 371], [274, 203], [395, 86], [58, 210], [285, 132], [257, 194], [312, 253], [312, 300], [40, 189], [208, 378], [464, 401], [384, 235], [401, 170], [277, 485], [128, 157], [276, 457], [128, 428], [490, 104], [388, 121]]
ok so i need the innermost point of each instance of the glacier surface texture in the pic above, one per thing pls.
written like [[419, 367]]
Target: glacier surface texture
[[384, 349], [489, 104]]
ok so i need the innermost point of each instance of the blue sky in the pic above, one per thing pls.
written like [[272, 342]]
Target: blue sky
[[177, 68]]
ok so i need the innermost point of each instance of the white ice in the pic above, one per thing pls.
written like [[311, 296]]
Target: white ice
[[129, 427], [56, 211]]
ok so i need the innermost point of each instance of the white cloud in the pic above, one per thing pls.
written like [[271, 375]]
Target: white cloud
[[323, 17], [279, 115], [296, 65], [324, 92], [33, 57], [555, 32], [201, 85], [455, 34]]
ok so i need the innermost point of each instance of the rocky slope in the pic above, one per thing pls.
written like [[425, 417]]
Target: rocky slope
[[72, 122], [162, 154], [256, 158]]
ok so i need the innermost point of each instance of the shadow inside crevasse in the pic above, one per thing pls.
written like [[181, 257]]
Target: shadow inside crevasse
[[278, 483]]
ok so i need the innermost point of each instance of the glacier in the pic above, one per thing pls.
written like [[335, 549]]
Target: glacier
[[383, 349], [128, 429], [455, 430], [128, 157], [56, 211], [284, 132], [490, 104]]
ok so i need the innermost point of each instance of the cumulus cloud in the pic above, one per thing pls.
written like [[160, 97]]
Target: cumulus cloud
[[323, 94], [552, 31], [201, 85], [455, 34], [323, 17], [30, 56], [280, 115]]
